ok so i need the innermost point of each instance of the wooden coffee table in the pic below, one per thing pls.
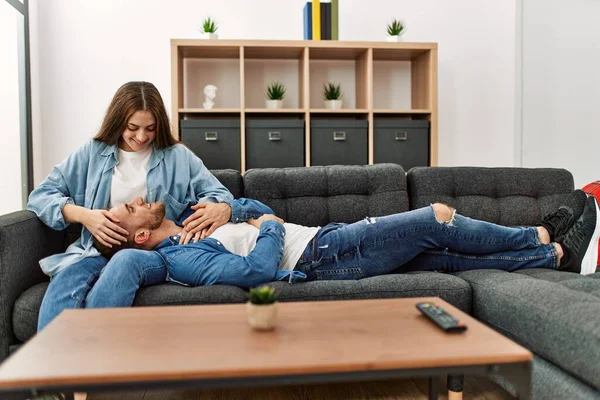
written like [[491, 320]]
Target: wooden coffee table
[[213, 346]]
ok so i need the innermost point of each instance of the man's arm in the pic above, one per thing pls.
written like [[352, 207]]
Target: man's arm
[[207, 263]]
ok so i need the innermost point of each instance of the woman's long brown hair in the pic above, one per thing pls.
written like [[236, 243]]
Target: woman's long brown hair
[[132, 97]]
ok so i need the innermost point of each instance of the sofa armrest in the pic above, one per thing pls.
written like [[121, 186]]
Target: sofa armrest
[[24, 240]]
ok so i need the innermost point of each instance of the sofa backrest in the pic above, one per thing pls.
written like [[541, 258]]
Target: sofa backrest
[[318, 195], [506, 196]]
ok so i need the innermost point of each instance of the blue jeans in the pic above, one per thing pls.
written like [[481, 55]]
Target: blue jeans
[[416, 240], [97, 282]]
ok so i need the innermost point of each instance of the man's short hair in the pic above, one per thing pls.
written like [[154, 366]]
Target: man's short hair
[[108, 252]]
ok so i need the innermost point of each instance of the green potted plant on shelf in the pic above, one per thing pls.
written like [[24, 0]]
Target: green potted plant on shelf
[[395, 29], [275, 95], [262, 308], [209, 29], [332, 94]]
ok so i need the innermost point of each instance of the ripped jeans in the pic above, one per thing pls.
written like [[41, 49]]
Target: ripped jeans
[[417, 241]]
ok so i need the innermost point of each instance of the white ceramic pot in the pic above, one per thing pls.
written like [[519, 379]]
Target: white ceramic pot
[[262, 317], [395, 39], [272, 104], [209, 35], [333, 104]]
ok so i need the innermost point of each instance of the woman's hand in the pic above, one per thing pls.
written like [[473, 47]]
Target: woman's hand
[[103, 225], [204, 221], [267, 217]]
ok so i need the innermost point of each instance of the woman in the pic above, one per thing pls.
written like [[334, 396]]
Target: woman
[[133, 155]]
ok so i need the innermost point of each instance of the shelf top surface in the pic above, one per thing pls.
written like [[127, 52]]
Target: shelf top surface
[[319, 49]]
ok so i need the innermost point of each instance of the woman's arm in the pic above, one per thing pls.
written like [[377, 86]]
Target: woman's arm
[[60, 188]]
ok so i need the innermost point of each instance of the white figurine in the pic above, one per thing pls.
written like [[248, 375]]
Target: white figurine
[[210, 92]]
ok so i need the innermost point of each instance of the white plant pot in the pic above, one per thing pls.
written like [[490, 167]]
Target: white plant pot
[[272, 104], [209, 35], [333, 104], [262, 317], [395, 39]]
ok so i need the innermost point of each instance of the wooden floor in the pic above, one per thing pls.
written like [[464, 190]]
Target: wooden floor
[[414, 389]]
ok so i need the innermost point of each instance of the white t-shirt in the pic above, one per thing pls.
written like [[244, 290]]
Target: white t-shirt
[[129, 176], [241, 238]]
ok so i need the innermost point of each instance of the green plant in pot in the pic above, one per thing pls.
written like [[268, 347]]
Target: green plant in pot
[[275, 94], [262, 308], [332, 94], [395, 29], [209, 28]]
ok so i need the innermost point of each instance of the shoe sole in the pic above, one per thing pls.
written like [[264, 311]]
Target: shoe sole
[[590, 259]]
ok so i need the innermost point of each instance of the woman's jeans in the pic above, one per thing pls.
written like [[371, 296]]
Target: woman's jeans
[[417, 241], [97, 282]]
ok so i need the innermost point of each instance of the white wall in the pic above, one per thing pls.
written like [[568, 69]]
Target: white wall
[[87, 49], [561, 86], [10, 150]]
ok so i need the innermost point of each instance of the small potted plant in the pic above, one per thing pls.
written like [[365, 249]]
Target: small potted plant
[[332, 94], [262, 308], [209, 29], [275, 94], [395, 29]]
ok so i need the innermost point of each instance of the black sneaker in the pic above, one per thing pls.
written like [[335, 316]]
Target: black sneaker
[[558, 223], [581, 241]]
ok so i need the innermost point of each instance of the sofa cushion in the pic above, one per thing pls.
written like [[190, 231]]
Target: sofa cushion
[[317, 195], [27, 306], [506, 196], [555, 314], [414, 284]]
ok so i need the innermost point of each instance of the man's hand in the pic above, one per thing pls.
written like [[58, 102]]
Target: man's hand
[[203, 222], [267, 217]]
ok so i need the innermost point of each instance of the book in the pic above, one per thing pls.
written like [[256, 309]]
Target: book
[[308, 21], [335, 15], [316, 19], [325, 21]]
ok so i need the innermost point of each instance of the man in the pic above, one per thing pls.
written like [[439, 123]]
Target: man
[[430, 238]]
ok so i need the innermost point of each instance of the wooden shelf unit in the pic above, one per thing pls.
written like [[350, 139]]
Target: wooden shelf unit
[[241, 69]]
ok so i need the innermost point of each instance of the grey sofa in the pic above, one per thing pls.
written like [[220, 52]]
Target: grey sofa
[[554, 314]]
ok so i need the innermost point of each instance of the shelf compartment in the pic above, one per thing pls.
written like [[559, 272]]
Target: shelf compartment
[[274, 111], [401, 141], [341, 111], [338, 142], [264, 65], [208, 111], [392, 84], [345, 66], [224, 73], [214, 140], [401, 111], [274, 142]]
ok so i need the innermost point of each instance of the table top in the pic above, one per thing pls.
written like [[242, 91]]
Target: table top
[[145, 344]]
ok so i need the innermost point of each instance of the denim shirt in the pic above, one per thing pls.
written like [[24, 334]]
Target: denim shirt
[[208, 262], [175, 176]]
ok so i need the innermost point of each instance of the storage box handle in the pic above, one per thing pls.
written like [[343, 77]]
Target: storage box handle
[[339, 135], [401, 135], [274, 136], [211, 136]]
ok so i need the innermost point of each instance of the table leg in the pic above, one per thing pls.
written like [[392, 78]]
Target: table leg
[[455, 386], [433, 389]]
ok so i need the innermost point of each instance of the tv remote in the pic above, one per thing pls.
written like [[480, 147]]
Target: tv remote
[[441, 318]]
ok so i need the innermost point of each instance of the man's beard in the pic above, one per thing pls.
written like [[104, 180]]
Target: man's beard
[[157, 216]]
